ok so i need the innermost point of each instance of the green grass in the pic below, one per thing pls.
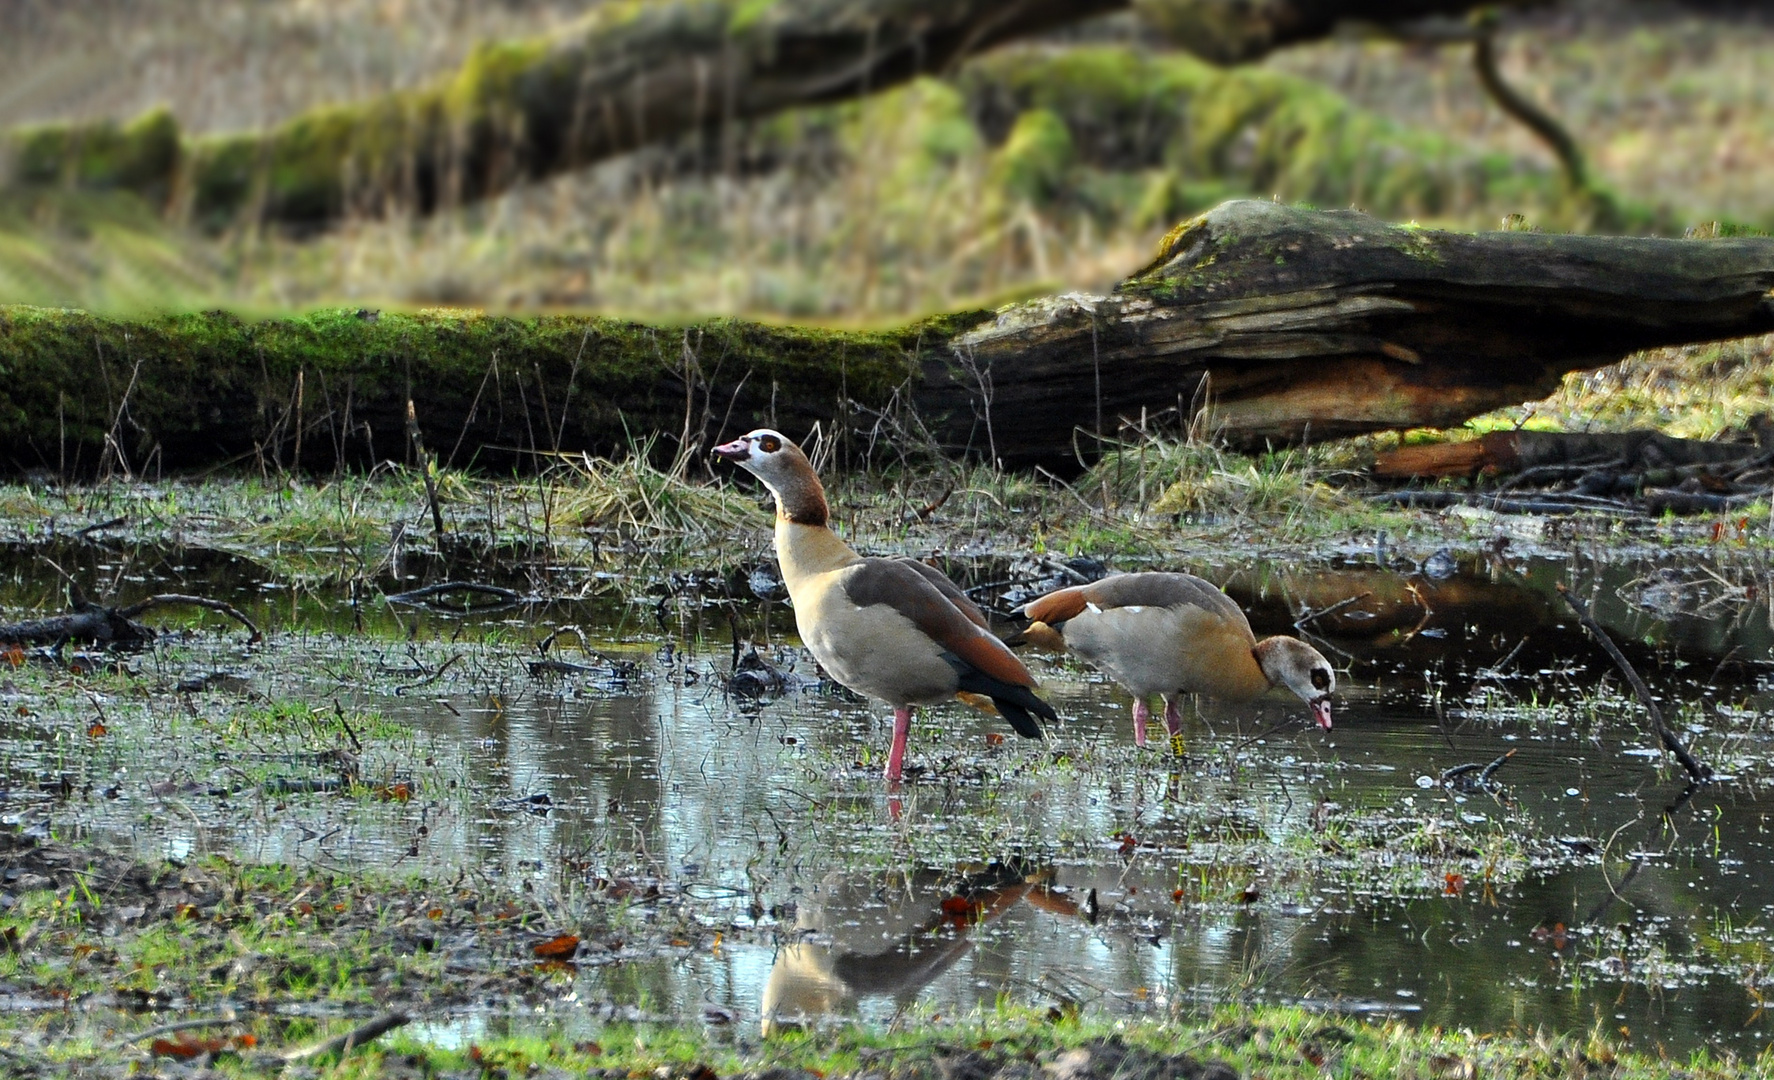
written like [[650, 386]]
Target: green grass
[[1270, 1041]]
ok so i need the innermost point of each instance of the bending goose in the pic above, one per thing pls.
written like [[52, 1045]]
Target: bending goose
[[890, 628], [1175, 634]]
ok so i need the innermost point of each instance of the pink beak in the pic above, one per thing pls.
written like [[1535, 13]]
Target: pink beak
[[1321, 712], [733, 451]]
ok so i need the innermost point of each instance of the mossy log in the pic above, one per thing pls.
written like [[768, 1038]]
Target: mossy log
[[632, 74], [1287, 323]]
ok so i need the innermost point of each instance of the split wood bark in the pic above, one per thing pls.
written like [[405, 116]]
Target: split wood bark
[[1285, 323]]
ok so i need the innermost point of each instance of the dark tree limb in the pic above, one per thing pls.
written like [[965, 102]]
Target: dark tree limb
[[179, 599], [101, 625], [1239, 31], [1289, 323], [88, 622], [1526, 112], [1699, 772], [362, 1035]]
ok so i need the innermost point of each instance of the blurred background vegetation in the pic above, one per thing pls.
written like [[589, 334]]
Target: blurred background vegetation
[[1050, 165]]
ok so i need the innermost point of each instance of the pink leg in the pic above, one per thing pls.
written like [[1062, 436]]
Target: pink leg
[[1141, 713], [1173, 716], [902, 727]]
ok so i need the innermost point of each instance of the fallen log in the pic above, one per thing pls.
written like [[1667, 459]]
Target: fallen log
[[1586, 471], [1500, 452], [115, 627], [624, 77], [1285, 323]]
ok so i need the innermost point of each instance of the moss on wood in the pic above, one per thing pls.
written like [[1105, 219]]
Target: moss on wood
[[201, 388], [628, 75]]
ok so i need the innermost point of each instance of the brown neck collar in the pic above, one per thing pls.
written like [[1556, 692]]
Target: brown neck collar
[[800, 497]]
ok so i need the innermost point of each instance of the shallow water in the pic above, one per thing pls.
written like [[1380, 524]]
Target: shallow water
[[1273, 863]]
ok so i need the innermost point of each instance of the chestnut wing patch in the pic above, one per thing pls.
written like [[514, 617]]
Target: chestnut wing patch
[[1058, 606]]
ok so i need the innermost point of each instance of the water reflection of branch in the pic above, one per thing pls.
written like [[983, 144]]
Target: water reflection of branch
[[1614, 891], [1701, 773], [1310, 616]]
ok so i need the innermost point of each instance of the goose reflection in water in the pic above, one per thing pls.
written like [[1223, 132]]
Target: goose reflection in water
[[862, 936]]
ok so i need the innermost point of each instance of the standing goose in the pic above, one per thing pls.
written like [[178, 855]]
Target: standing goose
[[891, 628], [1175, 634]]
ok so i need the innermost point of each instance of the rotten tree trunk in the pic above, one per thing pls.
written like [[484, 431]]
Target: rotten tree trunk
[[1298, 324], [1289, 323]]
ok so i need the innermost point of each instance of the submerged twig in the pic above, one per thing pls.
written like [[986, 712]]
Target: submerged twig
[[1485, 771], [174, 1028], [167, 599], [343, 1044], [1700, 772], [431, 678], [1310, 616], [99, 526], [424, 595]]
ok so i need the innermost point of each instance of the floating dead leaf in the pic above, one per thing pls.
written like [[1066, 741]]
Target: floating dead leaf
[[434, 913], [560, 948], [1454, 884], [1128, 843], [185, 1048], [185, 911], [16, 657], [589, 1048], [96, 729], [394, 793], [994, 738], [956, 905], [304, 908]]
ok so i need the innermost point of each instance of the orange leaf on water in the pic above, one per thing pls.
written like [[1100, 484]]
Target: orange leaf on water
[[96, 729], [994, 738]]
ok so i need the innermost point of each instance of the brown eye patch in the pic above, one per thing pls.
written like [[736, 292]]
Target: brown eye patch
[[769, 445], [1321, 679]]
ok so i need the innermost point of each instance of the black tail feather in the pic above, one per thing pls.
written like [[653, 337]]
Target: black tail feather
[[1014, 703]]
